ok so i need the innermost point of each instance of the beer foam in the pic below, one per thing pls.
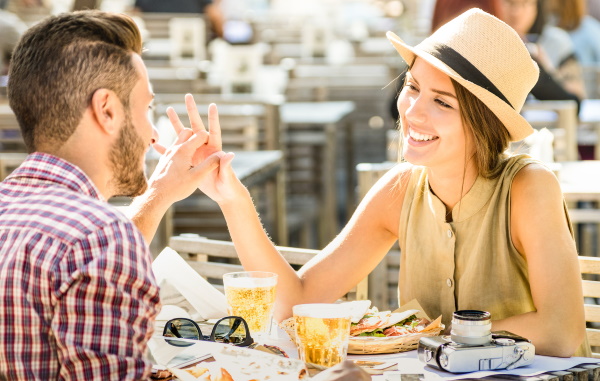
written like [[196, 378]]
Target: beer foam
[[321, 310], [250, 282]]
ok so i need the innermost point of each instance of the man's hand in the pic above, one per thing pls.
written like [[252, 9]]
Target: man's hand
[[182, 167]]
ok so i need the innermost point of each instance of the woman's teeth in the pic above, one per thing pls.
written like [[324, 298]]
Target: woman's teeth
[[420, 137]]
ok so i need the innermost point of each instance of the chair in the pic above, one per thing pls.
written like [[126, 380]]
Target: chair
[[188, 40], [9, 162], [591, 77], [235, 67], [591, 291], [213, 258], [561, 118], [383, 294], [10, 133]]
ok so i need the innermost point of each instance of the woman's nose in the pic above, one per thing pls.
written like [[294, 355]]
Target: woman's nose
[[415, 112]]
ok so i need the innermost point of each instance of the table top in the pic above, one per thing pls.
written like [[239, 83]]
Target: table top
[[315, 112], [542, 369], [249, 166], [580, 180], [589, 112]]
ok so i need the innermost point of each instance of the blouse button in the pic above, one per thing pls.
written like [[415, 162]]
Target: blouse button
[[449, 282], [449, 233]]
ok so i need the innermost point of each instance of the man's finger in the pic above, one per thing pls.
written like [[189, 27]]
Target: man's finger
[[192, 110], [214, 126], [159, 148], [174, 119]]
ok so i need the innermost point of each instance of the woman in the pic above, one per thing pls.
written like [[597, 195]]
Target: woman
[[550, 46], [582, 28], [477, 229]]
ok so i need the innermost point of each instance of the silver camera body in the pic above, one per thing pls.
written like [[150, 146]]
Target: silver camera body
[[473, 347]]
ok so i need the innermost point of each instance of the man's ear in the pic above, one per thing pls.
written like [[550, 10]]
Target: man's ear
[[107, 110]]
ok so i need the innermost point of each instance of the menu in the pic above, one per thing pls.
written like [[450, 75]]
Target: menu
[[182, 287]]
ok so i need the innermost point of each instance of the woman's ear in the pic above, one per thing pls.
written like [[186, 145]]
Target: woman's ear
[[107, 110]]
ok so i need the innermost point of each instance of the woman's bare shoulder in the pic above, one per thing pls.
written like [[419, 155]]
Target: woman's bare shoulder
[[533, 179]]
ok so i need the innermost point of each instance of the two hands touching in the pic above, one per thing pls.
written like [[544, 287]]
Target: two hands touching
[[194, 160]]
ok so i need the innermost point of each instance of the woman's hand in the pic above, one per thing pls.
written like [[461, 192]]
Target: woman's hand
[[222, 184]]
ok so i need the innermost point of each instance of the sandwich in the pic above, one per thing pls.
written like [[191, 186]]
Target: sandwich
[[386, 323]]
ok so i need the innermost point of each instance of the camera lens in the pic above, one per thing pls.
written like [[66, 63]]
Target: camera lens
[[471, 327]]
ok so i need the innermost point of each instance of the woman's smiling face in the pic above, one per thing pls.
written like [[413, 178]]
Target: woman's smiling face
[[430, 118]]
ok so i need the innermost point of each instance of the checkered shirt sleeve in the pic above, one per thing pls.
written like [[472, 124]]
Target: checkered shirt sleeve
[[105, 310]]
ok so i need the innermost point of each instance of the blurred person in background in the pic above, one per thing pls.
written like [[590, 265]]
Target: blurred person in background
[[593, 7], [446, 10], [571, 15], [550, 46], [210, 8], [11, 29]]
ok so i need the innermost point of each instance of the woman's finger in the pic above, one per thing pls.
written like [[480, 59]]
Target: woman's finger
[[183, 136], [214, 126]]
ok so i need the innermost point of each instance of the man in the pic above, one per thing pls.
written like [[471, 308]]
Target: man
[[210, 8], [77, 295]]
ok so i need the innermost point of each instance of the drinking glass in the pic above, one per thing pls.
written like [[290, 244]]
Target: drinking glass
[[322, 333], [251, 295]]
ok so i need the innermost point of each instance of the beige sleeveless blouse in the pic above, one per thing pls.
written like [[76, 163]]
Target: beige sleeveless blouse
[[469, 263]]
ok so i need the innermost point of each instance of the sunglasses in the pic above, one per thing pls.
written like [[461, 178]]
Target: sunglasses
[[229, 330]]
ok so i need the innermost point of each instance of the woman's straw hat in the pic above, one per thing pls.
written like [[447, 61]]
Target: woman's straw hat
[[487, 57]]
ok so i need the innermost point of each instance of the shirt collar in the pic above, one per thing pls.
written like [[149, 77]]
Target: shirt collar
[[45, 167], [471, 203]]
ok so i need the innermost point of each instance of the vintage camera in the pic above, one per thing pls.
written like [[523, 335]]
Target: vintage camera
[[472, 346]]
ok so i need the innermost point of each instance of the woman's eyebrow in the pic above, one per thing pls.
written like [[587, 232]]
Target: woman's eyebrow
[[410, 76], [444, 93]]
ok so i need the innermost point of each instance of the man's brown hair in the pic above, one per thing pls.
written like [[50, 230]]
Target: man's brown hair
[[58, 65]]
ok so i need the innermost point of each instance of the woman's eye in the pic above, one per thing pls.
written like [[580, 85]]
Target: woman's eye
[[442, 103], [411, 87]]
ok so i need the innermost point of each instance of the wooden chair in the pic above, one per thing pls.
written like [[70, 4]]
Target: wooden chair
[[9, 162], [239, 132], [590, 268], [560, 117], [213, 258], [10, 133], [187, 36], [383, 294]]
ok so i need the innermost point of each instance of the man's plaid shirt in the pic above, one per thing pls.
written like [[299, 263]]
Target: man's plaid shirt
[[77, 294]]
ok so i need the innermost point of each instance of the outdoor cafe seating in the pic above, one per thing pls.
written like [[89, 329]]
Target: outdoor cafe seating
[[304, 104]]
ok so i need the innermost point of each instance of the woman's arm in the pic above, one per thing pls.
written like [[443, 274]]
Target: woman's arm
[[540, 232], [341, 265]]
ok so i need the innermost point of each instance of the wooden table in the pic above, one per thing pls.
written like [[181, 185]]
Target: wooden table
[[331, 119]]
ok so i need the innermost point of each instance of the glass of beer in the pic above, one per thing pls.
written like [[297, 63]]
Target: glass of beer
[[251, 295], [322, 333]]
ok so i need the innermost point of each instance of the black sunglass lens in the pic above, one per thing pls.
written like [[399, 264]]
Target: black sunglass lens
[[230, 330], [183, 329]]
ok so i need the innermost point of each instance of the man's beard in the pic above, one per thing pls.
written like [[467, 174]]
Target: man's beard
[[125, 157]]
